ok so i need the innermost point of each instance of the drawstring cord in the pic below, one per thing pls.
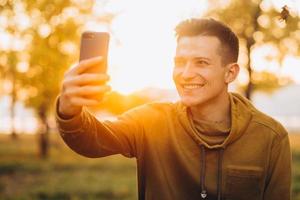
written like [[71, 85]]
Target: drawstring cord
[[203, 164], [220, 160], [203, 191]]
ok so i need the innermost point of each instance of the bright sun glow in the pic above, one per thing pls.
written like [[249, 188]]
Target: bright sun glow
[[145, 30], [143, 42]]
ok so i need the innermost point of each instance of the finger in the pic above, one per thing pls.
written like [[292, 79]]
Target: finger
[[81, 101], [99, 97], [88, 63], [85, 79], [89, 90]]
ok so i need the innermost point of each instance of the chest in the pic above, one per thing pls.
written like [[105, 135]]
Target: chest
[[177, 158]]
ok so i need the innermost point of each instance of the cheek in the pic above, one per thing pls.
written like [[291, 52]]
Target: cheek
[[174, 76], [216, 78], [176, 73]]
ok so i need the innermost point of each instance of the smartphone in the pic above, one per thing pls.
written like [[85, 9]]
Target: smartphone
[[94, 44]]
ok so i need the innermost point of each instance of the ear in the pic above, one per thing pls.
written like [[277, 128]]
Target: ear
[[232, 71]]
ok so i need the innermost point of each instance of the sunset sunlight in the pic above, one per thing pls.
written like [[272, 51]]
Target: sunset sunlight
[[150, 99], [143, 41]]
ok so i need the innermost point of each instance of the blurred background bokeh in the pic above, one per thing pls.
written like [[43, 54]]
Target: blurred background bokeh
[[39, 41]]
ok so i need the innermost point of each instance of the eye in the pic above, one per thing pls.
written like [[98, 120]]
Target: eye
[[201, 62]]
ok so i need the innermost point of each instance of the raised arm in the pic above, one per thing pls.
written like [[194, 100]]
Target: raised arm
[[81, 131]]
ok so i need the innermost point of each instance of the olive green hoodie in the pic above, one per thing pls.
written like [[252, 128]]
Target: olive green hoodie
[[174, 163]]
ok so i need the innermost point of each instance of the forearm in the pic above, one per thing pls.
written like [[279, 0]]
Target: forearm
[[84, 134]]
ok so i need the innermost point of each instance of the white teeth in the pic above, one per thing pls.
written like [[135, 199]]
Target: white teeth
[[192, 86]]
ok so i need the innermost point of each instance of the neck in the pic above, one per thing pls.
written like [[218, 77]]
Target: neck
[[216, 110]]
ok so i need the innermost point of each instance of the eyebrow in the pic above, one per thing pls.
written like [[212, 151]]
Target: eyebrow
[[201, 58], [194, 58]]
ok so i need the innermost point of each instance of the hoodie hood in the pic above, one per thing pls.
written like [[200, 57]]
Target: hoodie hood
[[241, 114]]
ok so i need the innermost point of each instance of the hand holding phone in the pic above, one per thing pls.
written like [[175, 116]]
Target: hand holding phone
[[85, 84]]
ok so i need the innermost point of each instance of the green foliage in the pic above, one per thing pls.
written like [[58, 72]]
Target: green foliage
[[53, 32], [239, 15], [248, 19], [268, 81], [50, 44], [52, 37], [256, 27], [9, 57]]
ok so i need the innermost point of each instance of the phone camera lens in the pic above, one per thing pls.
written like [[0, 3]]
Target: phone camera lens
[[89, 35]]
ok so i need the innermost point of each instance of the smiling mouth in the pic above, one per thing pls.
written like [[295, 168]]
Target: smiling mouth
[[191, 86]]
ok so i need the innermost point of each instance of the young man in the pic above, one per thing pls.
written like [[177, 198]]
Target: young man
[[210, 145]]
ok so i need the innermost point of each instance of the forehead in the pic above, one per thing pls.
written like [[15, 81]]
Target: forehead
[[198, 46]]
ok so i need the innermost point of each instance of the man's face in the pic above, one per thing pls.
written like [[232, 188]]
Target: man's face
[[198, 74]]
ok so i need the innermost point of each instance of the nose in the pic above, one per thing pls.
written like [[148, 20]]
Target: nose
[[187, 72]]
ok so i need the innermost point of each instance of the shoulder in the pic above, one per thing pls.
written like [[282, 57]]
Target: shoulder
[[260, 122], [152, 110], [161, 106], [268, 123]]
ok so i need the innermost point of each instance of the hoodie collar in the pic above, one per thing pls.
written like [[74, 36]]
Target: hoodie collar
[[241, 115]]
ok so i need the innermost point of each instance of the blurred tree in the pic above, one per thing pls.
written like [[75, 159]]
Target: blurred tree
[[54, 32], [49, 34], [258, 23], [9, 55], [12, 73], [268, 81]]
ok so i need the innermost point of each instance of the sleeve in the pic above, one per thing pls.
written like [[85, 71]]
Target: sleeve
[[89, 137], [279, 179]]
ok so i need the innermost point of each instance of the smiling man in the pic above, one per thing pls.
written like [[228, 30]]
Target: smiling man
[[212, 144]]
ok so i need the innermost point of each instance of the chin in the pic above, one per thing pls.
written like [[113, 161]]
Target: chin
[[189, 102]]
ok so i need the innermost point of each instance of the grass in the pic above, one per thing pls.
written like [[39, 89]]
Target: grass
[[68, 176], [65, 175]]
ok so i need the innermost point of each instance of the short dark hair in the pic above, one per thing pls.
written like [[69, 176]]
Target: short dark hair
[[211, 27]]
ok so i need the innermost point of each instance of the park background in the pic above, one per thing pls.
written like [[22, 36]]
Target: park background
[[39, 41]]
